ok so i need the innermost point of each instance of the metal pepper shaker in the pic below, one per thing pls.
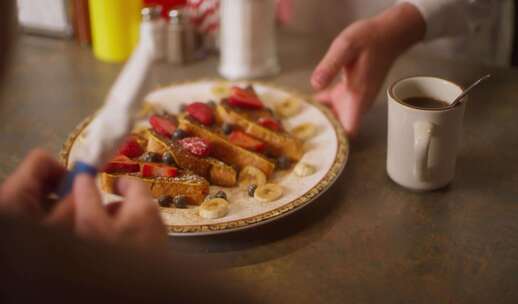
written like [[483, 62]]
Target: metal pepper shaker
[[180, 38]]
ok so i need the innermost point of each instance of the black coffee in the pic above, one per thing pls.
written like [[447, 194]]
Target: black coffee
[[425, 102]]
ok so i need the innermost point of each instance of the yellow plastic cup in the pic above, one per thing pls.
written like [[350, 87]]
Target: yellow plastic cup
[[115, 28]]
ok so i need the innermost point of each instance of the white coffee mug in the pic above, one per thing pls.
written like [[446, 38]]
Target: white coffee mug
[[423, 143]]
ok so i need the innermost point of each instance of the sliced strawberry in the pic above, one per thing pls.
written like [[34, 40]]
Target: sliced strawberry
[[128, 166], [131, 147], [270, 123], [201, 112], [243, 98], [120, 158], [162, 125], [246, 141], [197, 146], [157, 170], [147, 170]]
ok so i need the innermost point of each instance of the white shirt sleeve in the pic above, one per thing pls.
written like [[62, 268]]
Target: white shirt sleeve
[[447, 18]]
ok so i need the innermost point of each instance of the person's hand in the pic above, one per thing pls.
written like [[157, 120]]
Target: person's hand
[[284, 11], [135, 221], [363, 54], [26, 192]]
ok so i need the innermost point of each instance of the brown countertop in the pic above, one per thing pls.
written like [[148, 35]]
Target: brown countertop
[[366, 240]]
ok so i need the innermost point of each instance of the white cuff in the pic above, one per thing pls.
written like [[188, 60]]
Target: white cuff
[[443, 17]]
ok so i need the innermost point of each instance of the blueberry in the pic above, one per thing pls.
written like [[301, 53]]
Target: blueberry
[[183, 106], [227, 128], [165, 201], [251, 189], [151, 157], [146, 157], [179, 134], [211, 103], [167, 158], [180, 201], [221, 194], [269, 153], [283, 162]]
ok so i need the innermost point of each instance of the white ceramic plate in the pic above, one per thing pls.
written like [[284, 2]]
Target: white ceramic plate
[[327, 152]]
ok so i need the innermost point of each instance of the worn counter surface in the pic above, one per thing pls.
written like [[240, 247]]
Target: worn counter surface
[[366, 240]]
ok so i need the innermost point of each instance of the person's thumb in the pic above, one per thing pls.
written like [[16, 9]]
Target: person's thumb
[[91, 217], [137, 199], [349, 110]]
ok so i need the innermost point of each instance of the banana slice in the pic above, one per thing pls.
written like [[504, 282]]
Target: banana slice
[[288, 107], [304, 131], [147, 109], [268, 192], [251, 175], [221, 90], [304, 169], [213, 208], [155, 146]]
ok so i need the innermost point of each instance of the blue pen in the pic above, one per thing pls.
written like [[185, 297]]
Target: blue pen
[[79, 168]]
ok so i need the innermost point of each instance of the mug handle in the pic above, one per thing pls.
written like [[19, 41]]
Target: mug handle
[[422, 137]]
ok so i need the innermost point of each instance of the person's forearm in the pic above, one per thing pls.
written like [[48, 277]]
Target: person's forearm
[[404, 26]]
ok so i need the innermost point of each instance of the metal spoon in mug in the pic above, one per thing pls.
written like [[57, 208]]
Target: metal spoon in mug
[[458, 100]]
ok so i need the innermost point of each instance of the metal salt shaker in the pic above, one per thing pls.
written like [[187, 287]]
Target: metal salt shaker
[[247, 45], [180, 38], [152, 24]]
